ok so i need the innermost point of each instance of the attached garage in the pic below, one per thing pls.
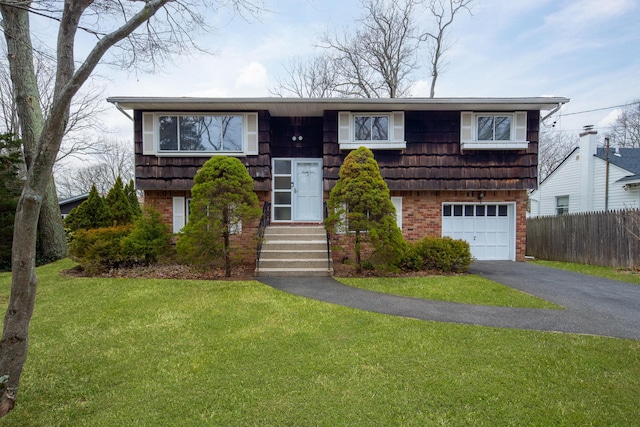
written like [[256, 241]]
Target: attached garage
[[488, 228]]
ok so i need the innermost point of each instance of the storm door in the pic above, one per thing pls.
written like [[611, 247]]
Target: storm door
[[297, 190]]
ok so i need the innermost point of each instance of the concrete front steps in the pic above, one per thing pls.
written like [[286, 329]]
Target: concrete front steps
[[294, 251]]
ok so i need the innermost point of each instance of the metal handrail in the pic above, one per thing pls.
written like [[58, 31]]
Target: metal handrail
[[326, 215], [265, 220]]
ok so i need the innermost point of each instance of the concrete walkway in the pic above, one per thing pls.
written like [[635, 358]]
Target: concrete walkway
[[592, 305]]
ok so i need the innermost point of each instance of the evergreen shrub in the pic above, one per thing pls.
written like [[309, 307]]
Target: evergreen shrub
[[100, 249], [149, 240], [444, 254]]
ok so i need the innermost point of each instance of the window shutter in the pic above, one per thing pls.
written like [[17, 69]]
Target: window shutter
[[344, 128], [178, 214], [397, 203], [148, 147], [521, 126], [466, 126], [397, 126], [252, 133]]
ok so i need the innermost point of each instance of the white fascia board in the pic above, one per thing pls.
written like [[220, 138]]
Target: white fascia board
[[306, 107]]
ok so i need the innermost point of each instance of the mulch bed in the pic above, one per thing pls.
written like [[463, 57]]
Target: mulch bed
[[239, 272]]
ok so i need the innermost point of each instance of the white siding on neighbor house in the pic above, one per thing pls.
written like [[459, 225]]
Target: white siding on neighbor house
[[619, 198], [564, 181]]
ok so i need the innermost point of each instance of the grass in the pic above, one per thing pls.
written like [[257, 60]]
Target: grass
[[118, 352], [467, 289], [595, 270]]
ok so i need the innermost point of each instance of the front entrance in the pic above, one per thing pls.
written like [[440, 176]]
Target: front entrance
[[297, 190]]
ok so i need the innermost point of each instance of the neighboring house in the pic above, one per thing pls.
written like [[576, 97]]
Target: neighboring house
[[455, 167], [589, 180], [73, 202]]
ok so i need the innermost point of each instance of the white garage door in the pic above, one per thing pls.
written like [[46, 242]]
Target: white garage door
[[489, 228]]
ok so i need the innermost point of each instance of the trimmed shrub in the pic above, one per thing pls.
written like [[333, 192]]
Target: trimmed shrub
[[411, 260], [360, 206], [149, 240], [444, 254], [223, 200], [99, 250]]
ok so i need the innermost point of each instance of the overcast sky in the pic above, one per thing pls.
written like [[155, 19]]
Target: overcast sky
[[586, 50]]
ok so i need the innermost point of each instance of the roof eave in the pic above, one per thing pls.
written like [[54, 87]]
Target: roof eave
[[316, 106]]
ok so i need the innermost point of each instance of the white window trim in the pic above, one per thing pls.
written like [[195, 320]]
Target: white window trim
[[469, 131], [563, 206], [151, 129], [181, 211], [346, 131]]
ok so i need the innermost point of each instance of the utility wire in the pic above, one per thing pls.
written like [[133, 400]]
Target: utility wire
[[600, 109]]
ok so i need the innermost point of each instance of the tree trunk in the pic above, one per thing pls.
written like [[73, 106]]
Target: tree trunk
[[52, 241], [15, 331], [357, 252], [227, 256]]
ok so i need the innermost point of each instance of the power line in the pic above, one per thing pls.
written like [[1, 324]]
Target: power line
[[600, 109]]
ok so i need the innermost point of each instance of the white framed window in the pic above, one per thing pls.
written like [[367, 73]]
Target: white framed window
[[562, 205], [493, 130], [374, 130], [199, 134], [181, 211], [371, 127]]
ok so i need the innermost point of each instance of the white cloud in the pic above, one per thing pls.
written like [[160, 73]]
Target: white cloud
[[253, 75], [586, 12], [609, 119]]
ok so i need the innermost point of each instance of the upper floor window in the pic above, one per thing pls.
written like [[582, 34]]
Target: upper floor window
[[371, 128], [494, 128], [199, 134], [378, 131], [493, 131]]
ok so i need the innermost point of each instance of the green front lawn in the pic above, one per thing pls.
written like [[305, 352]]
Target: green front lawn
[[119, 352], [467, 289], [595, 270]]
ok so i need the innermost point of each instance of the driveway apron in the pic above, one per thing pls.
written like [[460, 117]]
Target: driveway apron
[[592, 305]]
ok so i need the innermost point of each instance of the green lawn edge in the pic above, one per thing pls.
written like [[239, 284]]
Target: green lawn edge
[[465, 289], [619, 274]]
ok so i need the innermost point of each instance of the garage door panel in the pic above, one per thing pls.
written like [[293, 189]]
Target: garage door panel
[[488, 228]]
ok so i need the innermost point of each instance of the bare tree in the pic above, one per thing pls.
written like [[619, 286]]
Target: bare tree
[[312, 78], [553, 148], [128, 26], [376, 60], [625, 131], [443, 12], [110, 159], [380, 57]]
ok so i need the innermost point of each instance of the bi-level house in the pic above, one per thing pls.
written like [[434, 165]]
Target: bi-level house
[[459, 167]]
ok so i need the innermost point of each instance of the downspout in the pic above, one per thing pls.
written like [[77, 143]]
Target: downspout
[[121, 110], [552, 112], [606, 177]]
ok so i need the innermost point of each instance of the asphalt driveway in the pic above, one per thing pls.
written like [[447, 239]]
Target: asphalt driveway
[[592, 305]]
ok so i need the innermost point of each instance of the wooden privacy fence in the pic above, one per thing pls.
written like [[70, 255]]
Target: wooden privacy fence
[[609, 239]]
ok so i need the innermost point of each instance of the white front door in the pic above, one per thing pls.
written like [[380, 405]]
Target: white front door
[[297, 190]]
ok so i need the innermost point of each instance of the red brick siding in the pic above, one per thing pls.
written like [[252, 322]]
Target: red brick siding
[[422, 215], [245, 242]]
